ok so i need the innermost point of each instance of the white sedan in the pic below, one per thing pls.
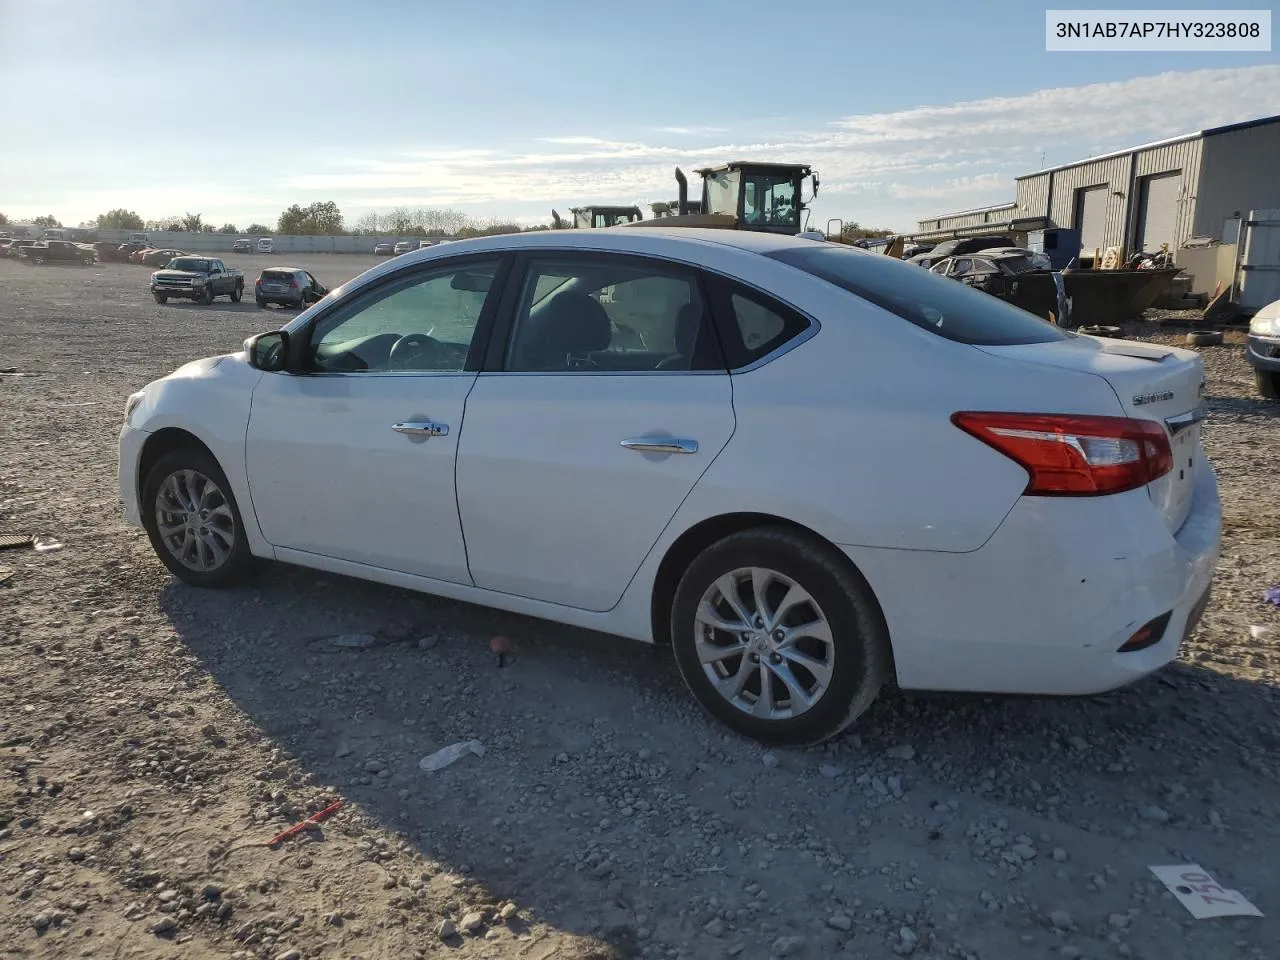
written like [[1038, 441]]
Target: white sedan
[[809, 469]]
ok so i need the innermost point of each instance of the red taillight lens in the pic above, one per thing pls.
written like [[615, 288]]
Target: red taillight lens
[[1075, 455], [258, 282]]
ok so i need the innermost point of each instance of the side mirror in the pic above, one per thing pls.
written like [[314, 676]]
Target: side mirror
[[268, 351]]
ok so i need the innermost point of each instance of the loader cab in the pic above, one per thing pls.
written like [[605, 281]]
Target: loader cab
[[759, 196], [592, 218]]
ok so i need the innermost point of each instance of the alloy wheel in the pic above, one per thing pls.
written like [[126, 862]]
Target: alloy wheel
[[764, 643], [195, 521]]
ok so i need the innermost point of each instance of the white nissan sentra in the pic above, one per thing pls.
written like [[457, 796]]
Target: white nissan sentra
[[810, 469]]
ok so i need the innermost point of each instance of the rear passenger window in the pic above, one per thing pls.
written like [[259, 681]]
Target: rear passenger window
[[753, 325]]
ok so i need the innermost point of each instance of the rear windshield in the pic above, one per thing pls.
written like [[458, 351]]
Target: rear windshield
[[942, 306], [280, 276]]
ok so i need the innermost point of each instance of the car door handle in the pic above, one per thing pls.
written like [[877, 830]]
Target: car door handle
[[421, 428], [661, 445]]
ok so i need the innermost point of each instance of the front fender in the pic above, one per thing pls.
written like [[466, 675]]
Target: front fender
[[209, 399]]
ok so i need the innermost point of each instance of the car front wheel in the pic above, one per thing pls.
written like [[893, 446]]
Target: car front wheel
[[237, 292], [778, 637], [193, 522]]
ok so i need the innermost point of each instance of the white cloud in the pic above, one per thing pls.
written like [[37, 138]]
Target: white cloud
[[883, 168]]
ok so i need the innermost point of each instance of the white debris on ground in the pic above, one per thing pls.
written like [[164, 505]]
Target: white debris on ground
[[153, 737]]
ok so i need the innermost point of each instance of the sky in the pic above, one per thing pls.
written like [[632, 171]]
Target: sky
[[508, 108]]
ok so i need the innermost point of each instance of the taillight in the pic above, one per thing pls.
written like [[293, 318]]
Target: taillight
[[258, 282], [1075, 455]]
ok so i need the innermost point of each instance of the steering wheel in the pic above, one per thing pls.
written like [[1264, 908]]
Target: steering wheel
[[413, 351]]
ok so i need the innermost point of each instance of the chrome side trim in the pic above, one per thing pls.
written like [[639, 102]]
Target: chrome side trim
[[1183, 420]]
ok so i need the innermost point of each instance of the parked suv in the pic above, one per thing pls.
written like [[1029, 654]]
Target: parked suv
[[243, 245], [287, 286]]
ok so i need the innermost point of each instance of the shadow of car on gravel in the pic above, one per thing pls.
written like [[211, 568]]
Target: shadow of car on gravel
[[577, 727]]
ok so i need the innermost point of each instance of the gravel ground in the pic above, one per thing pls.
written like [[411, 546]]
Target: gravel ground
[[154, 738]]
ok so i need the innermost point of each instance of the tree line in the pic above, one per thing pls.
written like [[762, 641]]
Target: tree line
[[324, 218]]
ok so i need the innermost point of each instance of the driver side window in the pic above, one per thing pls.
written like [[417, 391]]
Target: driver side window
[[424, 322]]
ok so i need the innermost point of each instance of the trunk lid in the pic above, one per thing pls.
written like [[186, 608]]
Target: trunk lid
[[1152, 382]]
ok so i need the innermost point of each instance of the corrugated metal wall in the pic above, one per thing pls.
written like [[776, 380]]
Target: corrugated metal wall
[[1238, 172], [1033, 195], [971, 219], [1185, 156], [1113, 173]]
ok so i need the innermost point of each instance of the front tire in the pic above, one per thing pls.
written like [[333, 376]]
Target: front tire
[[206, 295], [237, 293], [778, 637], [192, 519], [1268, 382], [161, 298]]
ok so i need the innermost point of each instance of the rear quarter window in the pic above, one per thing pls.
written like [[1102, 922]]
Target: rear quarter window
[[935, 303]]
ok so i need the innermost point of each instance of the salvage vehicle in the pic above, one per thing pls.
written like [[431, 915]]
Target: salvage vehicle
[[287, 286], [404, 246], [159, 258], [383, 250], [1016, 275], [57, 251], [197, 278], [1262, 349], [266, 245], [242, 245], [837, 471]]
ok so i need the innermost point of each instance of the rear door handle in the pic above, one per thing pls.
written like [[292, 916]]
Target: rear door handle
[[422, 428], [661, 445]]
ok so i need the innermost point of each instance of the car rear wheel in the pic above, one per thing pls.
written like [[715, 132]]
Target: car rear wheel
[[262, 303], [778, 637], [237, 293], [1268, 382], [193, 522]]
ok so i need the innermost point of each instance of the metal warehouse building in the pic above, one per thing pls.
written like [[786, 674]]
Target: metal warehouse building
[[1196, 185]]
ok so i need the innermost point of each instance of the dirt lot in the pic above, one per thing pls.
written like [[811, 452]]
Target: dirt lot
[[154, 737]]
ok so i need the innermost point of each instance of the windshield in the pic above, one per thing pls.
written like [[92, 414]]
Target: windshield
[[189, 263], [769, 200], [939, 305], [720, 191]]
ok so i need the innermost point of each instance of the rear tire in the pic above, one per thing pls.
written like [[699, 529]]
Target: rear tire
[[261, 303], [1268, 382], [237, 293], [215, 519], [823, 658]]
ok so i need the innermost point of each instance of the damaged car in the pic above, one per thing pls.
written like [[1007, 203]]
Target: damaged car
[[1013, 274]]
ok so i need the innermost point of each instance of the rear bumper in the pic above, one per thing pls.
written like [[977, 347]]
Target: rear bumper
[[1044, 606], [1263, 353]]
